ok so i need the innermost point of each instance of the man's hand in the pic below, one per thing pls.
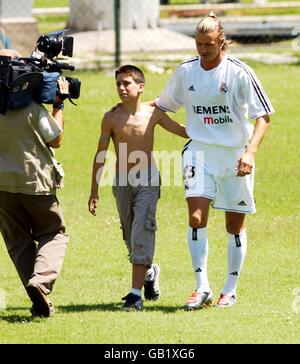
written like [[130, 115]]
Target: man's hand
[[63, 89], [93, 203], [245, 164]]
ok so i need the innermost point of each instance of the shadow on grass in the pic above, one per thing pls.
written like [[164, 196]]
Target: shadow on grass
[[15, 318], [112, 307]]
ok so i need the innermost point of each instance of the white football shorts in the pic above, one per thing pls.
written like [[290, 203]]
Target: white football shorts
[[210, 171]]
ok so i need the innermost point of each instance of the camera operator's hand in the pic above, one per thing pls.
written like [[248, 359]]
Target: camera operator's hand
[[63, 89]]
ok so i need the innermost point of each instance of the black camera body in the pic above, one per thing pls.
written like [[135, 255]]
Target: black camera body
[[35, 78]]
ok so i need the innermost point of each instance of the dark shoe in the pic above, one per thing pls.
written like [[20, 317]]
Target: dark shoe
[[132, 302], [151, 288], [41, 306], [36, 314]]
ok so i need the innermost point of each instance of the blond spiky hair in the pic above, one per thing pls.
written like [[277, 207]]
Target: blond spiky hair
[[210, 24]]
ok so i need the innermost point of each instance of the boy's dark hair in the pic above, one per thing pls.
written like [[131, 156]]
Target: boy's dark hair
[[134, 71]]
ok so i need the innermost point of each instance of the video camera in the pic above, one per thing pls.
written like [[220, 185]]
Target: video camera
[[35, 78]]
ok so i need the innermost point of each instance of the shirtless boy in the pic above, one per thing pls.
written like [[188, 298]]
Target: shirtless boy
[[137, 184]]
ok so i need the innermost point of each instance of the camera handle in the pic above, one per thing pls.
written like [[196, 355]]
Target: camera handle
[[71, 101], [64, 97]]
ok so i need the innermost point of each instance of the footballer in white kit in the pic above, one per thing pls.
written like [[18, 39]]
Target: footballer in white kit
[[220, 94], [219, 103]]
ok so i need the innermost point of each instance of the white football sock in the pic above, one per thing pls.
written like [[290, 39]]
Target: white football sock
[[237, 248], [198, 246], [136, 291]]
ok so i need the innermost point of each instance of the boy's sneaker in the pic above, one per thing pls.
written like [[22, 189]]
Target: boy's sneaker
[[226, 300], [132, 302], [198, 300], [151, 288]]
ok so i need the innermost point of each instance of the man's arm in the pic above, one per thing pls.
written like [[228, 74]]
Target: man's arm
[[98, 163], [57, 112], [246, 162], [169, 124]]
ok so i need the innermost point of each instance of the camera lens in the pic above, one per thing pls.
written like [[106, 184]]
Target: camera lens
[[50, 45]]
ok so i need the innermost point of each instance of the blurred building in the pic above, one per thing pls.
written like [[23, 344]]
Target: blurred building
[[18, 28]]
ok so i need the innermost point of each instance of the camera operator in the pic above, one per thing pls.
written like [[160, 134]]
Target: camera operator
[[31, 220]]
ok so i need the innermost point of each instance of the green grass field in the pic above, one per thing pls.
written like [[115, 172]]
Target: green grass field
[[96, 272]]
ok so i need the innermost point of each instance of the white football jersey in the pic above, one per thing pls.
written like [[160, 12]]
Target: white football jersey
[[218, 102]]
